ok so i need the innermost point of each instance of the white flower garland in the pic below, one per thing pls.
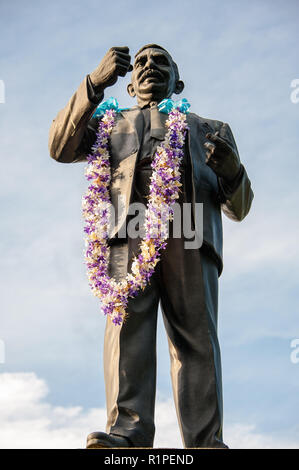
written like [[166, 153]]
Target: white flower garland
[[164, 190]]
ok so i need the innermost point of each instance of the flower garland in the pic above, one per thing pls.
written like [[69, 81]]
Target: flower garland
[[164, 190]]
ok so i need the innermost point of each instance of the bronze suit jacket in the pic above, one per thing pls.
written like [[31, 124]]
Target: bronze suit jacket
[[73, 132]]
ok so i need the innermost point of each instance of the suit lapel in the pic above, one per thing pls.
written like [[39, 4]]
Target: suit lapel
[[125, 143], [135, 118]]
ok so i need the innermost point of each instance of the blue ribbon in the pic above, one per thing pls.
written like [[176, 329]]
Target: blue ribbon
[[111, 103], [167, 105]]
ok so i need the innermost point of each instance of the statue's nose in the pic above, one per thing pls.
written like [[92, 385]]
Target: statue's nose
[[150, 62]]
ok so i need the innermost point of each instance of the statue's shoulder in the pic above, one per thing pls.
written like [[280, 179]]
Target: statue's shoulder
[[133, 109], [196, 120]]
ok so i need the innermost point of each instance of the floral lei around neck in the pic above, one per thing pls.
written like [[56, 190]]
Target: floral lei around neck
[[164, 190]]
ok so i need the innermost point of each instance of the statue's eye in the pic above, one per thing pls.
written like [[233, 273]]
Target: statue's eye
[[140, 62], [161, 60]]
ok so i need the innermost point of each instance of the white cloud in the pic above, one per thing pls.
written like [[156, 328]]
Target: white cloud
[[243, 436], [29, 421]]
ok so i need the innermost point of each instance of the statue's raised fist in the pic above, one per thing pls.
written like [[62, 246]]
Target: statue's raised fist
[[116, 62]]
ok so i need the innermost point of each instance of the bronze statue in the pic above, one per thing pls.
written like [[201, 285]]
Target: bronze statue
[[185, 281]]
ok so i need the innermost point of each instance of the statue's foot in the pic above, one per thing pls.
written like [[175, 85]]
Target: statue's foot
[[101, 440]]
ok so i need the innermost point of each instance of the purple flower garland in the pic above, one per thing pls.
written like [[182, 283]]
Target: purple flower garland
[[164, 190]]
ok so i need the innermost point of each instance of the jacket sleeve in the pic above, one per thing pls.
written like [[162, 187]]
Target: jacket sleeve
[[72, 133], [236, 197]]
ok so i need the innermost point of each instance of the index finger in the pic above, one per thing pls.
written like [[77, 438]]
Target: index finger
[[124, 49], [218, 140]]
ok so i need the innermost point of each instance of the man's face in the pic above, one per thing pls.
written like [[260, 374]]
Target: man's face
[[153, 76]]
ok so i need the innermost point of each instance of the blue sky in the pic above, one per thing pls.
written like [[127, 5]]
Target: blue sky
[[237, 60]]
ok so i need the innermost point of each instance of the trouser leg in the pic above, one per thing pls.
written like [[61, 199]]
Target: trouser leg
[[130, 369], [189, 293]]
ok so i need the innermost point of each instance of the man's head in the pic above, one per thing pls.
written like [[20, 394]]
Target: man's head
[[155, 75]]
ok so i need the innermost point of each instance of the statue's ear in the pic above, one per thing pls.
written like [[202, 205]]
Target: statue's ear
[[130, 90], [179, 86]]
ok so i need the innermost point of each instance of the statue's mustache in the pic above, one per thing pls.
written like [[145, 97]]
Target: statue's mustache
[[151, 73]]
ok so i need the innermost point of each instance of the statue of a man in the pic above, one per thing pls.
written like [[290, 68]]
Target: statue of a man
[[185, 281]]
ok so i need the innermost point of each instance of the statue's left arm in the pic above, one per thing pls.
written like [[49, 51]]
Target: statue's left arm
[[223, 158]]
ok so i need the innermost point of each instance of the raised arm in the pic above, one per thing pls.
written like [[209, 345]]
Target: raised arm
[[235, 187], [72, 132]]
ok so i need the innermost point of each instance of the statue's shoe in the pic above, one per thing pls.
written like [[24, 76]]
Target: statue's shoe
[[101, 440]]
